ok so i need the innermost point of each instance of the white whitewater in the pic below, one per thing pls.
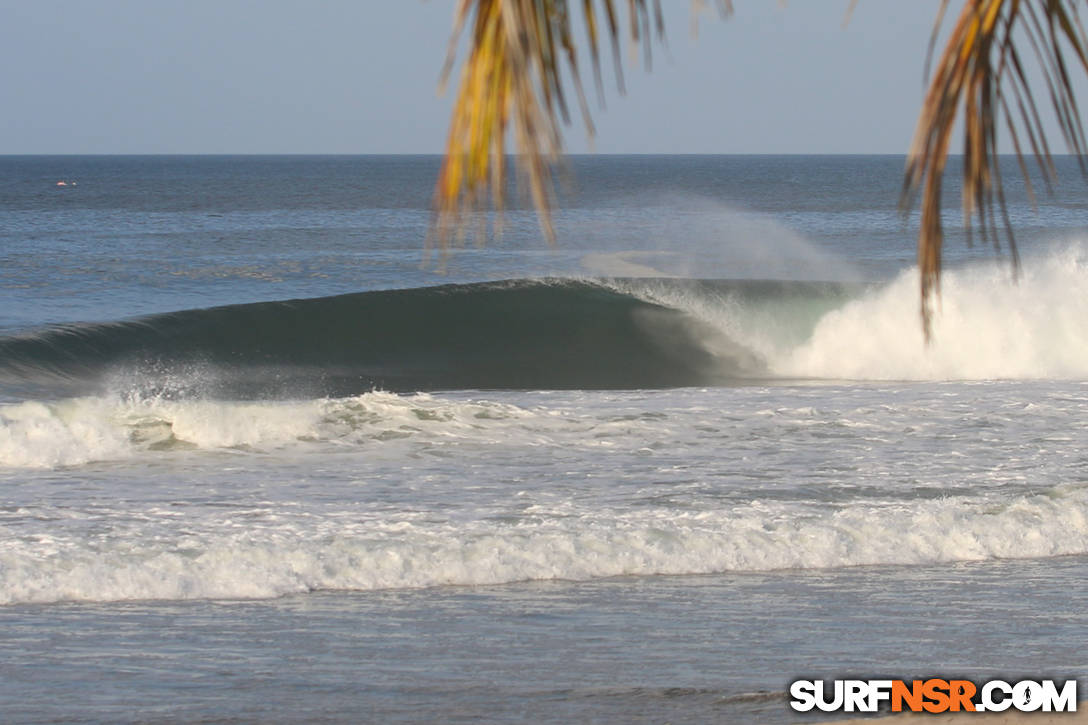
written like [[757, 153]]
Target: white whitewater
[[987, 326]]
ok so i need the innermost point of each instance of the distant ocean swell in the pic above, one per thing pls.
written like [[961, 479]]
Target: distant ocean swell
[[153, 556]]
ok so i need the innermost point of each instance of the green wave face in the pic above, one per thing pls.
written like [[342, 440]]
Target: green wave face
[[523, 334]]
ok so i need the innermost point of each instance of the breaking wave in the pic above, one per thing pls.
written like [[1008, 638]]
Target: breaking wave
[[576, 334], [74, 431], [987, 326], [502, 335], [275, 555]]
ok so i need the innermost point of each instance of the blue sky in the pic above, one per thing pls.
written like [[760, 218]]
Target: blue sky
[[360, 76]]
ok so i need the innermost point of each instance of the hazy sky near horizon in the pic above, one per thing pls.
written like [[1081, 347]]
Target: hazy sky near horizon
[[360, 76]]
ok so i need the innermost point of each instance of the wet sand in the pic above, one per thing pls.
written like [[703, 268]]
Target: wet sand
[[990, 718]]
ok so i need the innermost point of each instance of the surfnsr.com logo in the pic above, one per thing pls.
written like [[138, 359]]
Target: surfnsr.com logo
[[933, 695]]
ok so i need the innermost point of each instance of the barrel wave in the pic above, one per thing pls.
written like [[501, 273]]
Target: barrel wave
[[575, 334], [500, 335]]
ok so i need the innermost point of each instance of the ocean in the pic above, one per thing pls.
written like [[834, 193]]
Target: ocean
[[266, 458]]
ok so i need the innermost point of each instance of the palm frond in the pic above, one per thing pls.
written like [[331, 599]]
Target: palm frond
[[513, 80], [981, 71]]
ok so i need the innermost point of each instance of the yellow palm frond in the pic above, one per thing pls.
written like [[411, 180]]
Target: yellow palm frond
[[512, 80], [519, 50], [982, 72]]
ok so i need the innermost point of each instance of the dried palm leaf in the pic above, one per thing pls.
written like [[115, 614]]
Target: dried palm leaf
[[982, 72], [513, 79]]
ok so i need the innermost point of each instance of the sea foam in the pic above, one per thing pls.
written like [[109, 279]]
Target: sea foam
[[986, 326], [36, 434], [276, 554]]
